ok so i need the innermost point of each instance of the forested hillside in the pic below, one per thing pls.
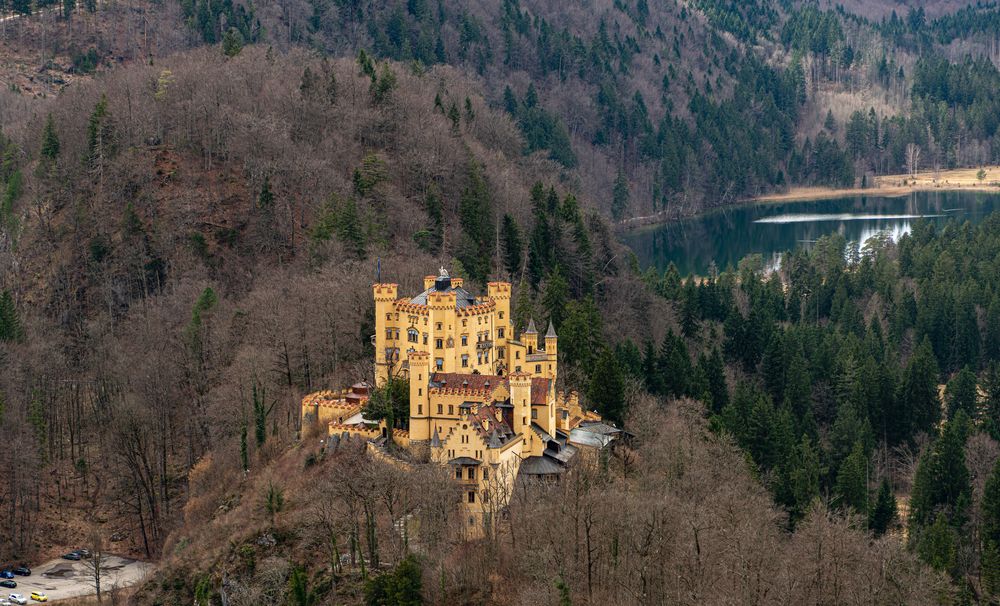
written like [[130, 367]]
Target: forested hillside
[[692, 104], [195, 196]]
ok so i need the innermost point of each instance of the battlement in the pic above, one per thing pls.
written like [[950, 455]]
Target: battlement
[[385, 293], [498, 290]]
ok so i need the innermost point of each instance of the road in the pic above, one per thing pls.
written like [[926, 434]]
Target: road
[[60, 579]]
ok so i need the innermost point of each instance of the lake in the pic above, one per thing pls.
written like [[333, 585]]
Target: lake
[[727, 235]]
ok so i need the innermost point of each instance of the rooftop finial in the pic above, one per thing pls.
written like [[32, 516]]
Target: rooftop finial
[[444, 273]]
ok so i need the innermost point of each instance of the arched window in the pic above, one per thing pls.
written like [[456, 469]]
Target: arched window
[[412, 335]]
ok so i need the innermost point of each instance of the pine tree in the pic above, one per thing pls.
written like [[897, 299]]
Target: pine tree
[[690, 310], [803, 477], [942, 479], [50, 140], [620, 197], [10, 324], [937, 546], [513, 245], [883, 515], [919, 392], [555, 297], [232, 42], [852, 486], [475, 211], [990, 531], [607, 387], [961, 393]]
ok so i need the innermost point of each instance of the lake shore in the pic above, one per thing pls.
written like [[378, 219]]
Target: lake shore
[[887, 186], [890, 186]]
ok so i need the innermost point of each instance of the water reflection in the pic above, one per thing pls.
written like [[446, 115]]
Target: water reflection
[[727, 236]]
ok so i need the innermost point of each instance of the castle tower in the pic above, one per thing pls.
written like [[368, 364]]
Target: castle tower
[[420, 409], [551, 352], [530, 337], [386, 362], [520, 399], [441, 303], [503, 330]]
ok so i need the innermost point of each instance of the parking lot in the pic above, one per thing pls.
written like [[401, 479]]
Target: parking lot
[[60, 579]]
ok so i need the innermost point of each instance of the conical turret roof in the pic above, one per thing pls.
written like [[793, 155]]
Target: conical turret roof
[[531, 330], [551, 333]]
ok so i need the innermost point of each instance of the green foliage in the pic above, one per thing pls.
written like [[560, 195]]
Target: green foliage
[[431, 238], [475, 213], [401, 586], [619, 197], [941, 488], [232, 42], [207, 17], [100, 134], [607, 387], [11, 330], [555, 298], [390, 402], [261, 410], [383, 87], [50, 140], [542, 130], [852, 483], [299, 593], [961, 394], [938, 545], [274, 501], [883, 515], [513, 245], [340, 216]]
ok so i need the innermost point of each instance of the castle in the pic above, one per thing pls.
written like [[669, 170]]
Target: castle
[[482, 400]]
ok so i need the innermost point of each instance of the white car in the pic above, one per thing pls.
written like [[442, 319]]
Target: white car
[[17, 598]]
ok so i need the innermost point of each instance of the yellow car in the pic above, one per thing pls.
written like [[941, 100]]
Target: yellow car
[[39, 597]]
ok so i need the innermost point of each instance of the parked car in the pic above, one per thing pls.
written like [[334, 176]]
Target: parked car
[[39, 597], [6, 574], [8, 584], [73, 555], [23, 571], [17, 598], [84, 553]]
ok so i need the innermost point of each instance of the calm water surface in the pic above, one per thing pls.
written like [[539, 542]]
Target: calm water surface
[[726, 236]]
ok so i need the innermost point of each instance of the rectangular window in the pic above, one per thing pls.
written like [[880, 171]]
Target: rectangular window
[[451, 409], [534, 414], [486, 473], [538, 369], [425, 338], [517, 355], [499, 333], [458, 473], [465, 340], [420, 409], [439, 343], [465, 322], [472, 473], [465, 361], [388, 333], [440, 409], [500, 315], [420, 391], [439, 362], [472, 497], [438, 325]]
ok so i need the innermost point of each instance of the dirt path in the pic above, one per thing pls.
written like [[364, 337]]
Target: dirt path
[[61, 579]]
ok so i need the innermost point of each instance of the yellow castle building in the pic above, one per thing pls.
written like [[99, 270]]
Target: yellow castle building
[[482, 399]]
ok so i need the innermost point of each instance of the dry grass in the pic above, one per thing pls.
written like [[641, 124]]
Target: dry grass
[[959, 179]]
